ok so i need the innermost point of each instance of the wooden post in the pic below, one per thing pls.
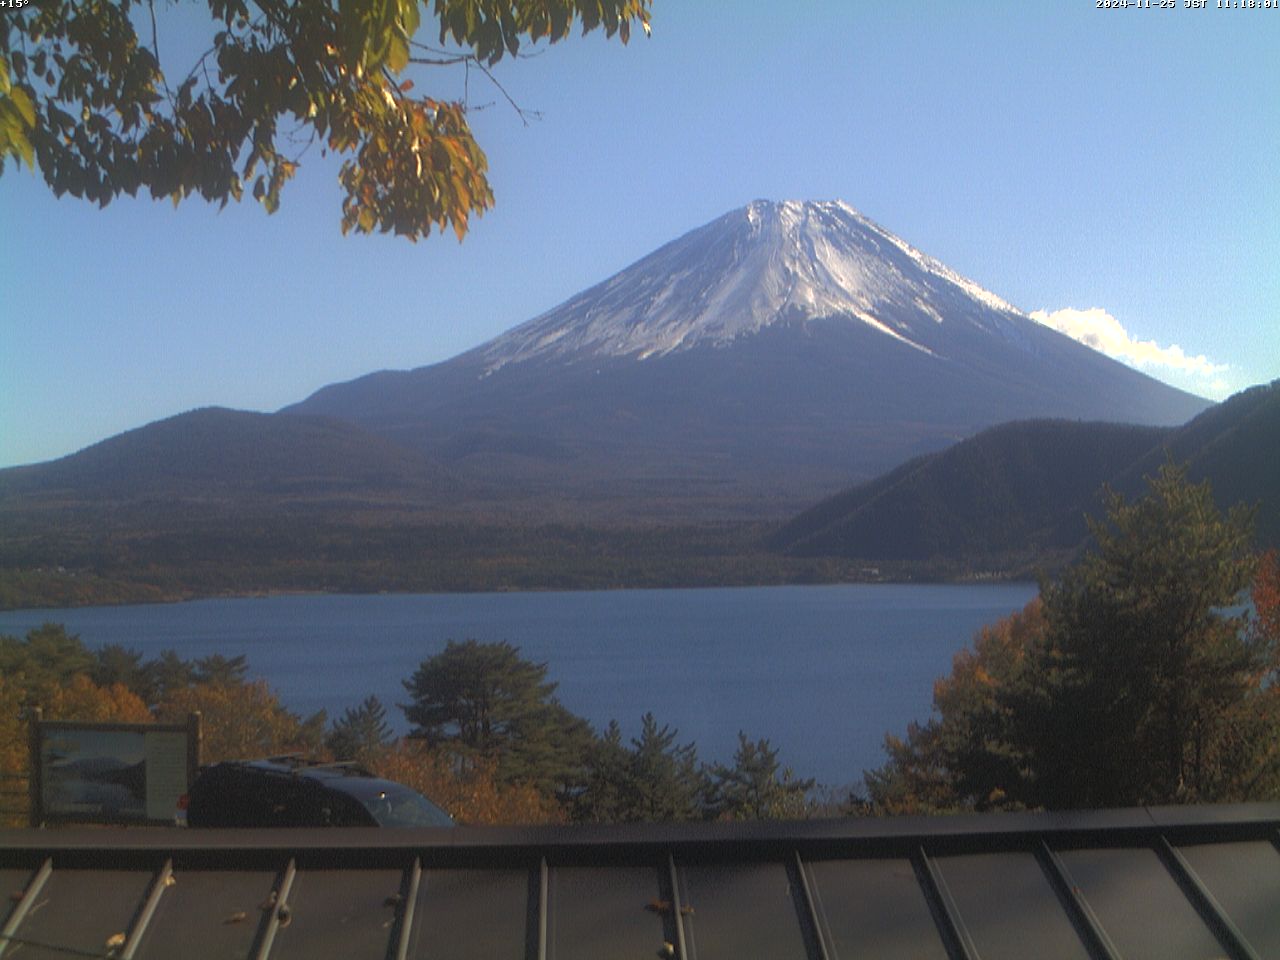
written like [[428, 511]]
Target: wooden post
[[195, 744], [34, 773]]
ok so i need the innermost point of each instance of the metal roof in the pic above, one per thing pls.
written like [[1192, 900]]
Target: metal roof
[[1173, 882]]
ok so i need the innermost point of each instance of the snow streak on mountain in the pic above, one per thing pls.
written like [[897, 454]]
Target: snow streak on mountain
[[767, 263]]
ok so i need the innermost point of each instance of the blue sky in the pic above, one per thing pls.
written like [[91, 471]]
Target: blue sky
[[1115, 169]]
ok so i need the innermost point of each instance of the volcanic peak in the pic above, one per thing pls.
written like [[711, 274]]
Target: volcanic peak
[[766, 263]]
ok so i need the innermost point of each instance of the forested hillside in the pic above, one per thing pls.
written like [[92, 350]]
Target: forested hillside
[[984, 500], [1014, 497]]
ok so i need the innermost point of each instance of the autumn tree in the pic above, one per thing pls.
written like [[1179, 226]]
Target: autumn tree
[[483, 701], [470, 794], [87, 99], [1266, 608], [1250, 743], [50, 668], [82, 699], [15, 753], [968, 754], [53, 669], [242, 720]]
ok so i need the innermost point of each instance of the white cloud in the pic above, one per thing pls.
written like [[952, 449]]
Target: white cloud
[[1098, 329]]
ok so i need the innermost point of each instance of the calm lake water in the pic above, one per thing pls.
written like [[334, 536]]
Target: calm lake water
[[823, 672]]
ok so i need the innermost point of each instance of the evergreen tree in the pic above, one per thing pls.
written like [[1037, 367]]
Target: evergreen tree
[[360, 732], [118, 664], [217, 669], [47, 656], [1145, 671], [608, 786], [667, 781], [656, 780], [164, 676], [757, 786], [483, 700]]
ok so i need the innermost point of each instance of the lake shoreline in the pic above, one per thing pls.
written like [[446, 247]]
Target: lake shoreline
[[822, 671], [93, 565], [74, 593]]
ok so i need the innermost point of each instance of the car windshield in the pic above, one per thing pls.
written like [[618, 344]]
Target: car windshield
[[395, 806]]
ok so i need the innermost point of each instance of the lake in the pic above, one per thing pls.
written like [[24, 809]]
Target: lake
[[822, 671]]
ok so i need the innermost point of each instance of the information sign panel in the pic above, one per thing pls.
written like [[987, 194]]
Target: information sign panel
[[112, 772]]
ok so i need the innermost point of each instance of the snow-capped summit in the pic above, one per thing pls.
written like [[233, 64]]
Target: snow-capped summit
[[764, 264], [778, 353]]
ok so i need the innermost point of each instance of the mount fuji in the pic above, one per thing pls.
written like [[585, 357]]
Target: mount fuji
[[772, 356]]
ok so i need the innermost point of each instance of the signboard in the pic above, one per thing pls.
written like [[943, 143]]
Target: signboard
[[111, 772]]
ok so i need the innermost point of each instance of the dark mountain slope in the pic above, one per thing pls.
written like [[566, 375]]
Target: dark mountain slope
[[991, 495], [1236, 447], [1023, 489], [219, 454]]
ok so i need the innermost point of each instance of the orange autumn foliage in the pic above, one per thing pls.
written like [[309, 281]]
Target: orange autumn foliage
[[78, 699], [239, 720], [471, 795], [82, 699], [1266, 601]]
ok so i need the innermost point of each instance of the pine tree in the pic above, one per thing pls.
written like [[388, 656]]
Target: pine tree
[[360, 732], [164, 676], [655, 780], [1145, 670], [608, 787], [757, 786], [667, 782], [485, 701], [216, 669]]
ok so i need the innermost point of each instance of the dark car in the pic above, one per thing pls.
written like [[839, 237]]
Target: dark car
[[294, 792]]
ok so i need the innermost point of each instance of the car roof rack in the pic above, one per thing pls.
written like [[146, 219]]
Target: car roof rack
[[300, 761]]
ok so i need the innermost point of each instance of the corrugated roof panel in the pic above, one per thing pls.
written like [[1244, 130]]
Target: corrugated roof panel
[[211, 914], [473, 915], [603, 913], [1139, 904], [1244, 878], [339, 913], [989, 886], [1009, 907], [736, 910], [80, 911], [875, 908]]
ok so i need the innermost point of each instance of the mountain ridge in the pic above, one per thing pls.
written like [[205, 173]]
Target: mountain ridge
[[777, 353], [218, 453], [1019, 492], [650, 431]]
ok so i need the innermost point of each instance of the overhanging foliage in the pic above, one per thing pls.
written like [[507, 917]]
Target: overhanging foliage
[[86, 100]]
